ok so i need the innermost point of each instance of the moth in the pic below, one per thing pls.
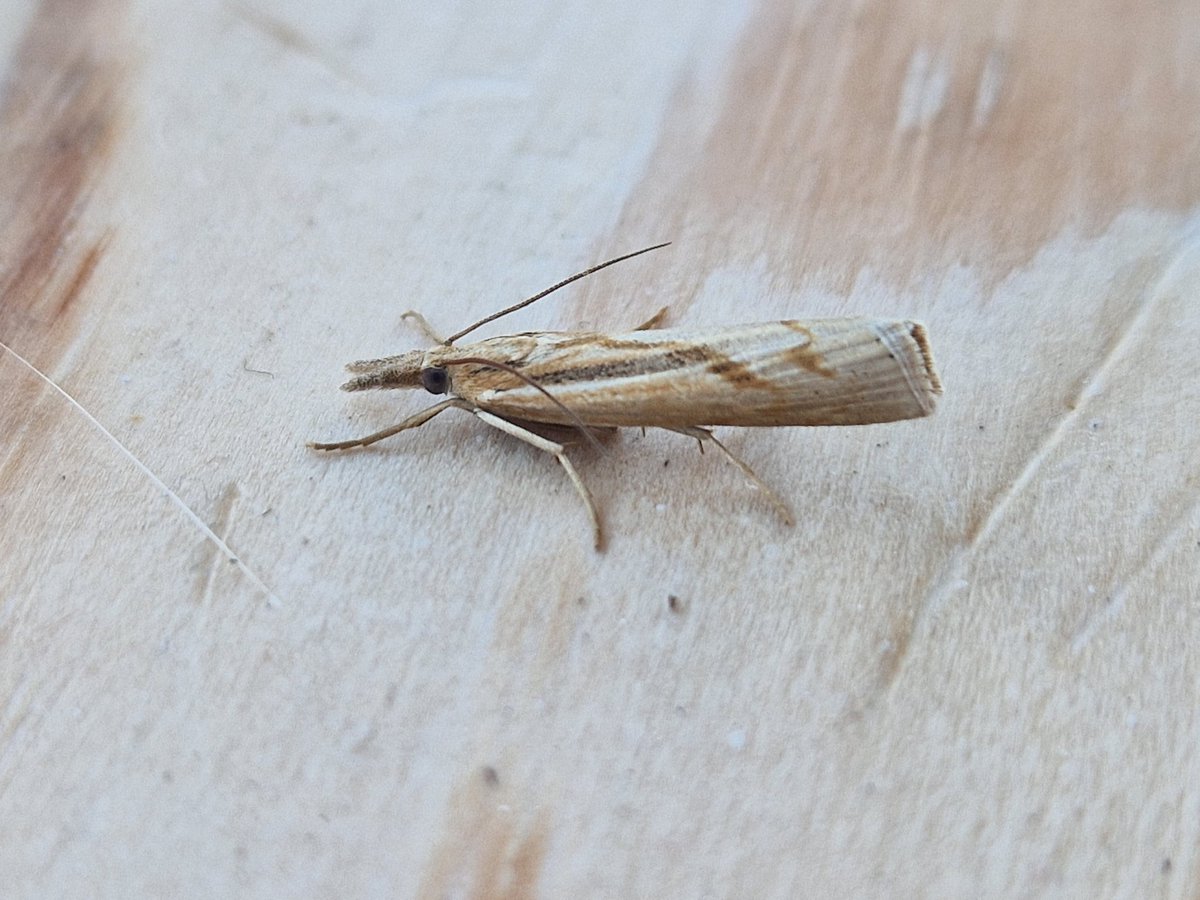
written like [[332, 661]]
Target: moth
[[843, 371]]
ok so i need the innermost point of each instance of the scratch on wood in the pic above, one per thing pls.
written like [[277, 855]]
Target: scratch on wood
[[146, 471], [953, 573], [296, 41], [923, 91], [1182, 527], [223, 516], [895, 651], [987, 91]]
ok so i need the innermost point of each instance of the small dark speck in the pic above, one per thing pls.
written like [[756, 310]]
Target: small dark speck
[[674, 604], [168, 776], [666, 462], [490, 776], [981, 428], [1166, 866], [1094, 425], [581, 601], [233, 559]]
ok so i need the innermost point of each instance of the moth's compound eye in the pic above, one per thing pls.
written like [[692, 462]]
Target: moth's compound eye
[[436, 380]]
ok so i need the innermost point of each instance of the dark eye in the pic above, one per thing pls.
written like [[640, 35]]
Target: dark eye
[[435, 380]]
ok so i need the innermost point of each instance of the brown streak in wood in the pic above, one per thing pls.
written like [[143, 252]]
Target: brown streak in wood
[[527, 861], [294, 40], [59, 120], [83, 274], [485, 848], [1038, 119]]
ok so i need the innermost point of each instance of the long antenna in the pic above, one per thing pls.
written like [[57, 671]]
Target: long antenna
[[549, 290]]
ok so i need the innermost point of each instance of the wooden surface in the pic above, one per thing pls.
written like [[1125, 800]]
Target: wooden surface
[[232, 667]]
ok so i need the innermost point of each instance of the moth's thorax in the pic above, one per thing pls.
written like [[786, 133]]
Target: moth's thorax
[[442, 371], [509, 348]]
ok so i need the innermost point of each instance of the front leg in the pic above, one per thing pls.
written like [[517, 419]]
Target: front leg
[[555, 450], [415, 421], [423, 326]]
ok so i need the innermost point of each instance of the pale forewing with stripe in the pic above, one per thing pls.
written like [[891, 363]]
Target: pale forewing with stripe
[[849, 371]]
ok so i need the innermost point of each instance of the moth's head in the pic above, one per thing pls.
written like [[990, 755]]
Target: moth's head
[[435, 379], [403, 371]]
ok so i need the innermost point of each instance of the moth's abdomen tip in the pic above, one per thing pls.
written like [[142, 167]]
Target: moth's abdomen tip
[[919, 335]]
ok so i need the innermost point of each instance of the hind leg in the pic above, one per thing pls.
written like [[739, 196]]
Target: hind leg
[[703, 435]]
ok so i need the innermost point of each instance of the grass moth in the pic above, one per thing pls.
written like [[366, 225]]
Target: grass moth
[[840, 371]]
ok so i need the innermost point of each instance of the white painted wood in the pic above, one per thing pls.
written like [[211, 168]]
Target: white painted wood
[[967, 670]]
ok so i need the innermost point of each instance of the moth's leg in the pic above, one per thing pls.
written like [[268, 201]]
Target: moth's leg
[[655, 321], [557, 451], [703, 434], [423, 326], [567, 435], [411, 422]]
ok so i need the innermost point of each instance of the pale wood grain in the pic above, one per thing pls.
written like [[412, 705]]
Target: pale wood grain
[[967, 670]]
